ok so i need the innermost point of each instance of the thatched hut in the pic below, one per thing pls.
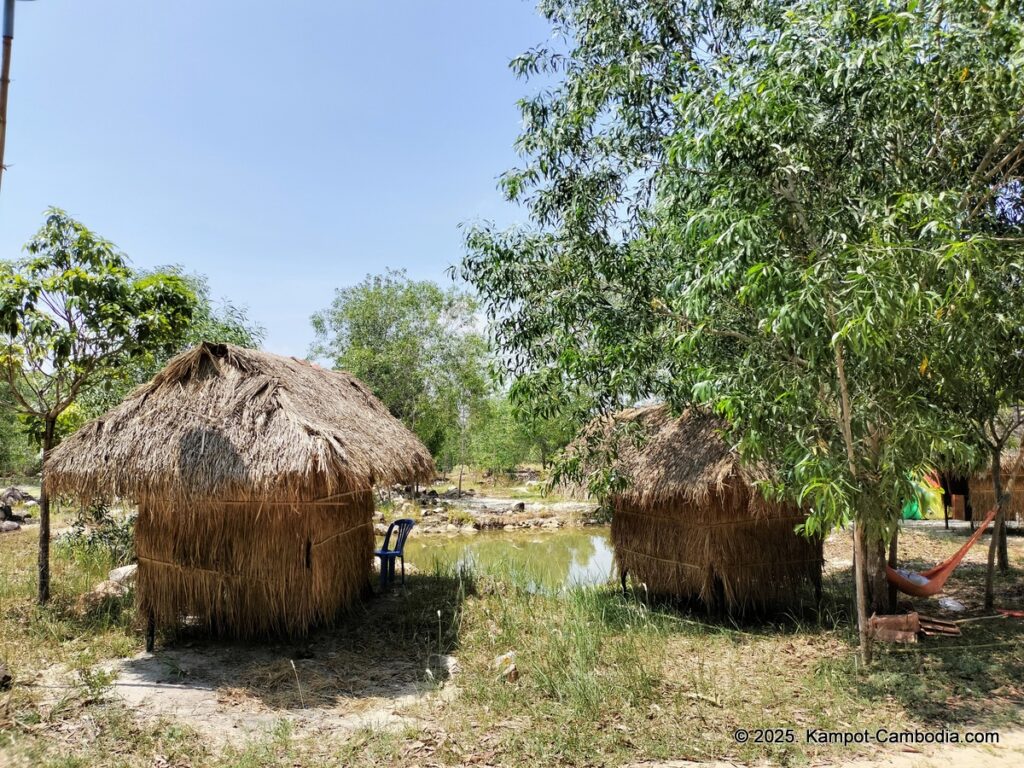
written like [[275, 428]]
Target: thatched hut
[[690, 522], [253, 476], [983, 493]]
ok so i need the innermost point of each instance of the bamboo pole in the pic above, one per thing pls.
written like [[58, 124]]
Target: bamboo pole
[[5, 78]]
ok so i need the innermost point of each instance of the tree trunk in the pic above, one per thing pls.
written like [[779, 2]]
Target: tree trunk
[[49, 428], [859, 552], [993, 545], [878, 585], [1002, 556], [893, 562]]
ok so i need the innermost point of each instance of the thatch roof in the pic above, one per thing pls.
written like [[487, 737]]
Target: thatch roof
[[667, 459], [225, 422]]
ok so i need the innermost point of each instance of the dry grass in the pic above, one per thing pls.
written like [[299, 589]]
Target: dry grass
[[604, 680]]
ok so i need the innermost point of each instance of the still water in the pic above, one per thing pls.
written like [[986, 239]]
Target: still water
[[546, 561]]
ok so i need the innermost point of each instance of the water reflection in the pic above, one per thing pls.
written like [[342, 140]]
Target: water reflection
[[547, 561]]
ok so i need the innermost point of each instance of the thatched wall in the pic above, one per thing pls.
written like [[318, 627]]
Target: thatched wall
[[727, 552], [691, 523], [278, 569], [983, 495]]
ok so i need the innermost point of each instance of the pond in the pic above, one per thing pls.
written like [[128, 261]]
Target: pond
[[547, 561]]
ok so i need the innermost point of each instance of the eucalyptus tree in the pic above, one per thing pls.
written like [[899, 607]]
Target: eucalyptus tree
[[72, 313], [775, 208]]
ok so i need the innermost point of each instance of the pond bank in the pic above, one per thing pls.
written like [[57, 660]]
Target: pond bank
[[446, 515]]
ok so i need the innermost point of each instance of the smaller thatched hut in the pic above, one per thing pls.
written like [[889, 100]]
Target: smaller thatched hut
[[690, 522], [983, 494], [253, 475]]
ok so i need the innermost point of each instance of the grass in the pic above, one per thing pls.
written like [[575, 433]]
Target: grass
[[603, 679]]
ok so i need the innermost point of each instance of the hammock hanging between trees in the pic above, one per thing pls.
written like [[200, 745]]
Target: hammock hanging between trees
[[934, 579]]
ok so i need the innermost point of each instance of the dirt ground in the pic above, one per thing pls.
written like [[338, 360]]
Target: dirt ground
[[232, 694]]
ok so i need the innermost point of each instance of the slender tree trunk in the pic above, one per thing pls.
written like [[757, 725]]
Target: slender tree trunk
[[1002, 555], [44, 515], [893, 562], [997, 486], [860, 582], [859, 549]]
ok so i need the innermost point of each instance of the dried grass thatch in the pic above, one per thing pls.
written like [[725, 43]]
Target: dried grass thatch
[[983, 494], [253, 475], [691, 522]]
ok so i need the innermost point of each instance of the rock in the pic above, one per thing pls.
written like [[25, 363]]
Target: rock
[[506, 666], [451, 528], [510, 527], [380, 529], [124, 575], [467, 529], [552, 523], [518, 507], [13, 496], [109, 588], [7, 526], [101, 593]]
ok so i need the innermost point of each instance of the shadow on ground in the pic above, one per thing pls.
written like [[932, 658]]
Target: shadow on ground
[[394, 645]]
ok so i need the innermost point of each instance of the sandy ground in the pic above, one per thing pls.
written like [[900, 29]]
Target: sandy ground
[[232, 696]]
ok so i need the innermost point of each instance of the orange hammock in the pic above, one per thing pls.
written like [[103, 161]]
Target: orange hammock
[[937, 576]]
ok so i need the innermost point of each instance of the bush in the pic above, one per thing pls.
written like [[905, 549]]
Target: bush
[[97, 528]]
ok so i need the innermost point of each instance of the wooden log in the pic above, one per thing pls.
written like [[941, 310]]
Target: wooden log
[[898, 628]]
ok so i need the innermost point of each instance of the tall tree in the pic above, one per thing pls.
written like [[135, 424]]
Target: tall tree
[[71, 313], [774, 208], [415, 345]]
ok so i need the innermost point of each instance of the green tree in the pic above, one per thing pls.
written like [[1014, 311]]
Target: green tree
[[982, 385], [775, 208], [414, 344], [71, 313], [17, 456], [498, 439]]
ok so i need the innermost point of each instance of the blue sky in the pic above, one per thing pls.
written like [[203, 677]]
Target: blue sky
[[282, 149]]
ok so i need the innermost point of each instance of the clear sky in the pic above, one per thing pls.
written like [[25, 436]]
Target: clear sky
[[282, 149]]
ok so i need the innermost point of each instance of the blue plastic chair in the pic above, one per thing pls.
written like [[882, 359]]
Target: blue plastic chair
[[388, 555]]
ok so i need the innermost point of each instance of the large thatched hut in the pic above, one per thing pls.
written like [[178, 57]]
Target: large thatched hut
[[253, 477], [689, 522]]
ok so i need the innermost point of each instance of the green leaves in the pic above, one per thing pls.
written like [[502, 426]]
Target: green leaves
[[725, 194], [73, 312]]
